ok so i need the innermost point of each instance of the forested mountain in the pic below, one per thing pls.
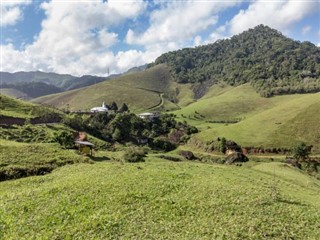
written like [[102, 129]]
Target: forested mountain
[[271, 62]]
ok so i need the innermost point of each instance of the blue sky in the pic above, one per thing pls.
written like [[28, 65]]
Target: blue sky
[[90, 37]]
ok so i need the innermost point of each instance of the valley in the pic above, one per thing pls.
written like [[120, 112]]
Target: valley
[[227, 147]]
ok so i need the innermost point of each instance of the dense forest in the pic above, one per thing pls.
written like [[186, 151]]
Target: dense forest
[[271, 62]]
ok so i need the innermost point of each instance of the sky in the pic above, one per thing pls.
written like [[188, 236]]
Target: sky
[[100, 37]]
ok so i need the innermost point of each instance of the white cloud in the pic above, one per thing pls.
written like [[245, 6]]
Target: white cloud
[[11, 11], [179, 21], [75, 38], [276, 14]]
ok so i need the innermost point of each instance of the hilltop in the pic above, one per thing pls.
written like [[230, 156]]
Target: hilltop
[[272, 63]]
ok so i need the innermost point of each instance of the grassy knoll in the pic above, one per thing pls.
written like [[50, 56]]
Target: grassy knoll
[[285, 124], [280, 121], [162, 200], [225, 103], [140, 91]]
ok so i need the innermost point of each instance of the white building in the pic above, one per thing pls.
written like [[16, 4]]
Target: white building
[[149, 115], [103, 108]]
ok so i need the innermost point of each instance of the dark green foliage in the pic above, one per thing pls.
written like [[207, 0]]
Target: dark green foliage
[[124, 108], [164, 144], [273, 63], [301, 151], [223, 145], [134, 154], [64, 138], [128, 127], [114, 106]]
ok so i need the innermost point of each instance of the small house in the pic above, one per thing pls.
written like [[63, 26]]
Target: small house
[[149, 115], [84, 147], [103, 108]]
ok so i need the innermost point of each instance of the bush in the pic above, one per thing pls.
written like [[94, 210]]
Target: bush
[[301, 151], [134, 154], [64, 138], [163, 144]]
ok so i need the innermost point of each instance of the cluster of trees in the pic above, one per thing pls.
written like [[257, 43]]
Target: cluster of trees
[[114, 106], [271, 62], [162, 133]]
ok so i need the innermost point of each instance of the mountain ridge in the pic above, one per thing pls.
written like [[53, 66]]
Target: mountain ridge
[[272, 63]]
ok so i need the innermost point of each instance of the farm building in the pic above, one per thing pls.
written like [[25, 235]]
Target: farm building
[[84, 147], [103, 108], [149, 115]]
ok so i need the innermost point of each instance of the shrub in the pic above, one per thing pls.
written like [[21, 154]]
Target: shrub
[[163, 144], [64, 138], [134, 154], [301, 151]]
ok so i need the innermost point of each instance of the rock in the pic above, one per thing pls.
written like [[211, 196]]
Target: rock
[[236, 157], [187, 154]]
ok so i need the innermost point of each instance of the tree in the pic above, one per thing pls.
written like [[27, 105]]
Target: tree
[[114, 106], [223, 145], [301, 151], [124, 108]]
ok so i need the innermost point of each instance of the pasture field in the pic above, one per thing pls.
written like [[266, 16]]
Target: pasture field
[[160, 199], [242, 115]]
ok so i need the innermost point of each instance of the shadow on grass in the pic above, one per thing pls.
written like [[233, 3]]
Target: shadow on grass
[[292, 202], [100, 159]]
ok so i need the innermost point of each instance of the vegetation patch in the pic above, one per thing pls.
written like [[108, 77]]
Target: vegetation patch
[[22, 160]]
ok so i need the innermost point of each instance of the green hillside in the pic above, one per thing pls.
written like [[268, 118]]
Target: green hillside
[[240, 114], [140, 91], [109, 200], [271, 62], [17, 108]]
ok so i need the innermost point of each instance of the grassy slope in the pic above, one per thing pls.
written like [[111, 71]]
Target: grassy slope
[[15, 108], [182, 201], [270, 122], [285, 124], [14, 93], [133, 89]]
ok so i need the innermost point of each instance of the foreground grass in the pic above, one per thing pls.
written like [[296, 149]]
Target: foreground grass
[[161, 200]]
